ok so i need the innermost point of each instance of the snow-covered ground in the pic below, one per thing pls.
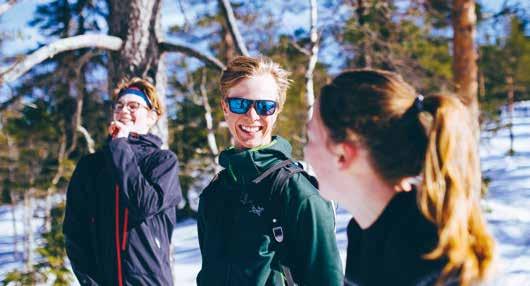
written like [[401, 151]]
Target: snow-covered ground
[[508, 200], [507, 207]]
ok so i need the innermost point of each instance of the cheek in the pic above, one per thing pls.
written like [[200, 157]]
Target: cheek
[[270, 121], [140, 119]]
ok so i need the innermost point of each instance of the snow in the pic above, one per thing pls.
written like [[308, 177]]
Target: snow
[[508, 199], [506, 205]]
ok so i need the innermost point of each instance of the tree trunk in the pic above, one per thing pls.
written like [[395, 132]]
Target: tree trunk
[[228, 13], [228, 49], [161, 84], [511, 99], [14, 222], [364, 59], [28, 229], [13, 154], [464, 53], [137, 23], [77, 88], [58, 175], [212, 143], [313, 58]]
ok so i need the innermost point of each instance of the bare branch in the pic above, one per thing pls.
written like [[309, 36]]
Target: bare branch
[[206, 59], [83, 61], [63, 45], [187, 24], [78, 87], [89, 141], [6, 6], [226, 8], [299, 48]]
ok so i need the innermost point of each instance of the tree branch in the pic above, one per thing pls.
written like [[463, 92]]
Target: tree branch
[[187, 24], [206, 59], [299, 48], [6, 6], [89, 141], [63, 45], [226, 8]]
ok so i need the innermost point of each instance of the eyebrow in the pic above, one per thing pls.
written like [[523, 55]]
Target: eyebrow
[[128, 101]]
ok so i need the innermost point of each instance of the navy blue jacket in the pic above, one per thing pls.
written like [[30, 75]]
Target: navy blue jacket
[[120, 213]]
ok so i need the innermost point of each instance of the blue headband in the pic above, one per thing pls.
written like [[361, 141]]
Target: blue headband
[[135, 91]]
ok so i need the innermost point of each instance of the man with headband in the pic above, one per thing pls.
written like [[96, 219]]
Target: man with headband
[[120, 206]]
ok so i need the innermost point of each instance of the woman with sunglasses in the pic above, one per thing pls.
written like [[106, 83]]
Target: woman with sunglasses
[[238, 240], [120, 206], [407, 169]]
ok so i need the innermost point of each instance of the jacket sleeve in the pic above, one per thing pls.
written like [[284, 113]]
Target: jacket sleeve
[[200, 231], [313, 257], [200, 225], [76, 219], [146, 194]]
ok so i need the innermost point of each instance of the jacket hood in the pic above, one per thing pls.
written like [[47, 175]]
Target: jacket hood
[[143, 140], [244, 165]]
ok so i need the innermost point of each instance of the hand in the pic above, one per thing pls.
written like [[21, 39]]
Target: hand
[[118, 130]]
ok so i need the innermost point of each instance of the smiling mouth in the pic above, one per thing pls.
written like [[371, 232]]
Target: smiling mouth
[[125, 120], [250, 129]]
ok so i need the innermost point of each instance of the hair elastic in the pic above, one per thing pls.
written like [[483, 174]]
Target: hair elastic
[[418, 103]]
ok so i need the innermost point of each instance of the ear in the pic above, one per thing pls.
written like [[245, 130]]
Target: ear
[[224, 106], [152, 118], [347, 153]]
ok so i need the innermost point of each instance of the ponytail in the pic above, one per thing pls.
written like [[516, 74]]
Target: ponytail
[[392, 121], [450, 193]]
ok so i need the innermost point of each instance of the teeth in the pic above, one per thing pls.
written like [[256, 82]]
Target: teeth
[[250, 128]]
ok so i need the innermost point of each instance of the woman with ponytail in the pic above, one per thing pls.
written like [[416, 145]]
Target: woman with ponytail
[[407, 168]]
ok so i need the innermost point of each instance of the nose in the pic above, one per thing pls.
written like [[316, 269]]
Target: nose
[[252, 113]]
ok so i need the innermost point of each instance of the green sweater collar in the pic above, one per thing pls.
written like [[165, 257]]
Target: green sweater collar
[[247, 164]]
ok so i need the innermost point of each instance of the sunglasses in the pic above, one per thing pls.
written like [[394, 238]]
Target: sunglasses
[[242, 105]]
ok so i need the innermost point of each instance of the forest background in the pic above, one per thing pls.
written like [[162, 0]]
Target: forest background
[[59, 59]]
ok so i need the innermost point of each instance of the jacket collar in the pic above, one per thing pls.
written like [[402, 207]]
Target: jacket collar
[[147, 140], [143, 140], [244, 165]]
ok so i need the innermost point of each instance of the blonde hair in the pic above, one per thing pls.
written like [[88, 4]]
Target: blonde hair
[[146, 87], [243, 67], [383, 111]]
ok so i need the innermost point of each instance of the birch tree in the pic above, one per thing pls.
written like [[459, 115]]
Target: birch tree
[[136, 47]]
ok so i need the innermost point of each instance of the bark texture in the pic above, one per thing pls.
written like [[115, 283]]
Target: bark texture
[[465, 69]]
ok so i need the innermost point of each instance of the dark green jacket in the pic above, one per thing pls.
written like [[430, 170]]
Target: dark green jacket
[[235, 235]]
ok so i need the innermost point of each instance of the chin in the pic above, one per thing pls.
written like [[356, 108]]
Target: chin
[[250, 142], [248, 145]]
